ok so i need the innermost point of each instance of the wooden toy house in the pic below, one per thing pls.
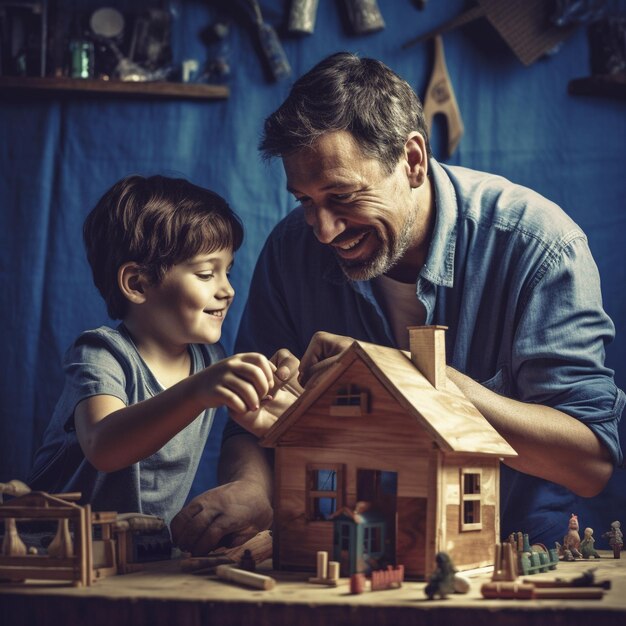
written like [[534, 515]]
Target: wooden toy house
[[387, 428]]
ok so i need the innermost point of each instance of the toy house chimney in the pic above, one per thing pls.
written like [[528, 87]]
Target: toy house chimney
[[428, 352]]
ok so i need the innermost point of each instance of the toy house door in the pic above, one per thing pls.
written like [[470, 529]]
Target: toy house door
[[379, 488]]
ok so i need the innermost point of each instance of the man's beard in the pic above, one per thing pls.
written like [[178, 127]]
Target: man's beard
[[382, 260]]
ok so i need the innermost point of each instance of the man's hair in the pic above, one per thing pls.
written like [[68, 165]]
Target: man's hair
[[156, 222], [345, 92]]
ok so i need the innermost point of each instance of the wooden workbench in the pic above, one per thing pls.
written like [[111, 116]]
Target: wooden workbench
[[163, 595]]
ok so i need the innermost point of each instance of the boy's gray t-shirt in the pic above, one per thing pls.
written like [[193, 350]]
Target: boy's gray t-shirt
[[105, 361]]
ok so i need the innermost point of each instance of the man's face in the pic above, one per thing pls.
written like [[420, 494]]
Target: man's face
[[353, 205]]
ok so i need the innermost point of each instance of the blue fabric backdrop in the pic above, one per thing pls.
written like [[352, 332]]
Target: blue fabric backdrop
[[59, 154]]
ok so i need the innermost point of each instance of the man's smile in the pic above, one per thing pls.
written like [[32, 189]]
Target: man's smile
[[349, 247]]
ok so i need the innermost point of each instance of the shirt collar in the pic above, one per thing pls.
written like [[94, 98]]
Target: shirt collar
[[439, 266]]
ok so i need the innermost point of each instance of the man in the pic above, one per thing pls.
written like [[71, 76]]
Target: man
[[386, 237]]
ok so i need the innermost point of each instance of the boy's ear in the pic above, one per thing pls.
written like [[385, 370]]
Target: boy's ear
[[132, 282]]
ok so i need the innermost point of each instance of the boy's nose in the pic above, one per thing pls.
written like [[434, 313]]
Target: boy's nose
[[226, 290]]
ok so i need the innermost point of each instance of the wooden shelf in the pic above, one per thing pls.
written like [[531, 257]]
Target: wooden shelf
[[607, 85], [35, 84]]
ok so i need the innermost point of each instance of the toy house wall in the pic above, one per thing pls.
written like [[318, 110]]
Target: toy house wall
[[384, 439], [469, 548]]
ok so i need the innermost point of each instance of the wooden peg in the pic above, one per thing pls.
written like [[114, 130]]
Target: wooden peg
[[12, 544], [61, 547], [440, 98]]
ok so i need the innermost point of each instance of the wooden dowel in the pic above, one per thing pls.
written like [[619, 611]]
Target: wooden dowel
[[525, 591], [192, 564], [569, 584], [72, 496], [243, 577]]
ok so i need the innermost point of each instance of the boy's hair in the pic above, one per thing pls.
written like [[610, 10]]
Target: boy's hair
[[157, 222]]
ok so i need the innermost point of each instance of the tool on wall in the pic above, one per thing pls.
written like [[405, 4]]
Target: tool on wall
[[364, 16], [302, 16], [270, 44], [440, 98], [526, 26]]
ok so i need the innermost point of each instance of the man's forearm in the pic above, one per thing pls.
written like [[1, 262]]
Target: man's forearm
[[550, 444], [241, 458]]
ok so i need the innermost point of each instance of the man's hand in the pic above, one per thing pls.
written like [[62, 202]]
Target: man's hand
[[228, 515], [323, 351]]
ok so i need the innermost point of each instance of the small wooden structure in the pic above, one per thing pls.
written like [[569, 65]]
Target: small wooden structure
[[387, 427], [87, 545], [70, 559]]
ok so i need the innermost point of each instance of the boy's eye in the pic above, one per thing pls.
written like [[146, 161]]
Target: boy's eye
[[205, 276]]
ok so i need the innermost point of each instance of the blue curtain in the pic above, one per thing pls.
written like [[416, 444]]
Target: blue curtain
[[58, 154]]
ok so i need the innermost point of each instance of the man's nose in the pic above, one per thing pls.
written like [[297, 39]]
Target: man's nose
[[325, 223]]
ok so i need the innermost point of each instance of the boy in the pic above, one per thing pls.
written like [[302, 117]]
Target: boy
[[139, 400]]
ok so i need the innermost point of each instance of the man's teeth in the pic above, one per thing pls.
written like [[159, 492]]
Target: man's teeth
[[356, 242]]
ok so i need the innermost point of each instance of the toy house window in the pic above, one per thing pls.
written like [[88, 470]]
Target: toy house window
[[372, 539], [471, 499], [350, 400], [344, 537], [324, 491]]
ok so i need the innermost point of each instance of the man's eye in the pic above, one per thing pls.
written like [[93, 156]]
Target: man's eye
[[343, 196]]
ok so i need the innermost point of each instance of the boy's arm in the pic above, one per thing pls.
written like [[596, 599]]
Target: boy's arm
[[113, 436], [242, 505]]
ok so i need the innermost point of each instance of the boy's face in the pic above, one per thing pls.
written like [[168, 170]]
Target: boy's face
[[189, 305]]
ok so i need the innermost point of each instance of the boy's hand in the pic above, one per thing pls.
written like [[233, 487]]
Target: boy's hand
[[239, 382], [281, 396], [228, 515]]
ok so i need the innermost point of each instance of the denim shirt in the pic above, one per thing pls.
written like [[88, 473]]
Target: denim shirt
[[513, 279]]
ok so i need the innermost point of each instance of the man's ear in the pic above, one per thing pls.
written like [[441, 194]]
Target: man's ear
[[416, 159], [132, 282]]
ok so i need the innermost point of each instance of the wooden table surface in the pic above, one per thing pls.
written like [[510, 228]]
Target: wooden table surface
[[163, 595]]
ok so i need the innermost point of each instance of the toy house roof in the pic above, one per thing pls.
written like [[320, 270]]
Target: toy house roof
[[452, 421]]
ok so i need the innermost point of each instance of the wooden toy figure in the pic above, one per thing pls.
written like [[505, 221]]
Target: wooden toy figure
[[586, 545], [441, 581], [616, 538], [571, 541]]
